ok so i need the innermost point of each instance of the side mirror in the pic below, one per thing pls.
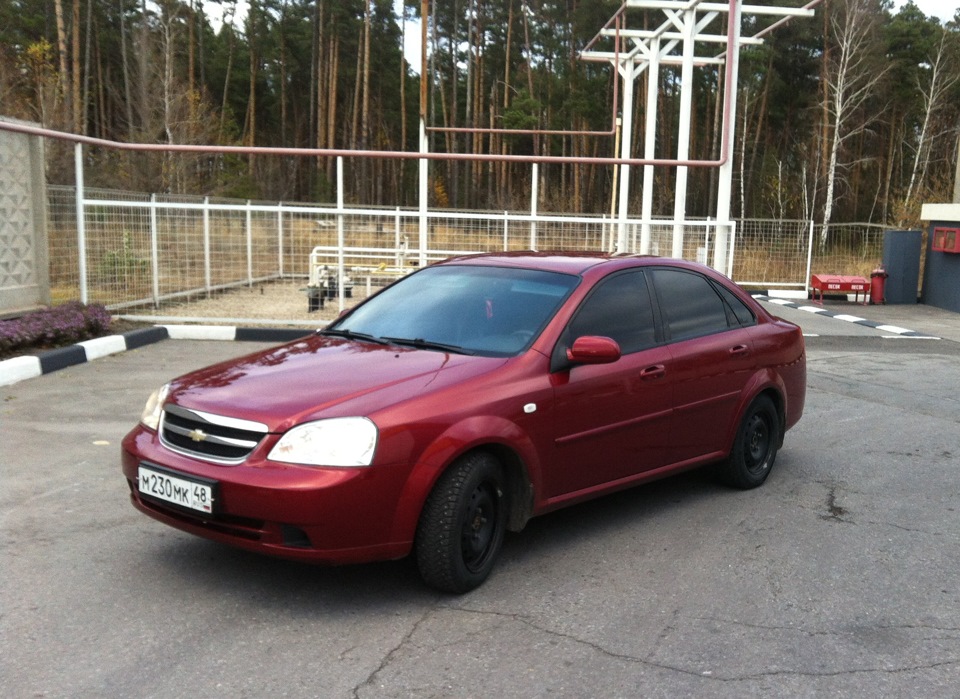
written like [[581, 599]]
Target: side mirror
[[593, 349]]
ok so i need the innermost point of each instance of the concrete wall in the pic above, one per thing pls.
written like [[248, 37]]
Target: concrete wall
[[24, 261]]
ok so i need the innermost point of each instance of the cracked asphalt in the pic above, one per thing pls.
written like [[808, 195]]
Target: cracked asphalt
[[837, 578]]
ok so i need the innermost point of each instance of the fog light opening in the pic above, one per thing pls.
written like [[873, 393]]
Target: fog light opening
[[294, 536]]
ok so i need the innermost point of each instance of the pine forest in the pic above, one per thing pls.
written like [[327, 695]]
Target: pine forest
[[852, 115]]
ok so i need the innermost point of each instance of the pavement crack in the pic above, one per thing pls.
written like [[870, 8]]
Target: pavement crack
[[391, 654]]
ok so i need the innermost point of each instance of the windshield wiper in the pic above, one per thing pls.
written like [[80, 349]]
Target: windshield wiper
[[420, 343], [351, 335]]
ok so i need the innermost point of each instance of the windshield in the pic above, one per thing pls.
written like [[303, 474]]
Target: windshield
[[495, 311]]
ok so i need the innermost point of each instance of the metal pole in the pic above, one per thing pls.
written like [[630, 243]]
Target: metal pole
[[683, 135], [396, 238], [81, 222], [626, 71], [280, 238], [249, 243], [806, 280], [534, 195], [208, 283], [154, 251], [613, 187], [725, 180], [341, 276], [424, 146], [424, 196], [650, 146]]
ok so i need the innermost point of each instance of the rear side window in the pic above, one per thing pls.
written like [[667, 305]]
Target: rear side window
[[740, 310], [618, 308], [689, 304]]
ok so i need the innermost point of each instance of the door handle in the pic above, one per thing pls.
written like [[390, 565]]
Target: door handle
[[740, 351], [657, 371]]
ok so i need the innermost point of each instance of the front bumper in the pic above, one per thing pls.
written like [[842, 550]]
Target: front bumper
[[321, 515]]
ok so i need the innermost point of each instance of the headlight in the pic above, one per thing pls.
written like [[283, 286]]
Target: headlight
[[342, 441], [154, 406]]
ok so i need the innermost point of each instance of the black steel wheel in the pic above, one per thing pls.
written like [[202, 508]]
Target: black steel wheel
[[462, 525], [754, 447]]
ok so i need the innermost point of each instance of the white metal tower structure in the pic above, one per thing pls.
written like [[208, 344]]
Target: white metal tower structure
[[688, 35]]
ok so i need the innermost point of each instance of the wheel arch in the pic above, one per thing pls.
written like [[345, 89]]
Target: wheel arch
[[499, 437], [766, 383]]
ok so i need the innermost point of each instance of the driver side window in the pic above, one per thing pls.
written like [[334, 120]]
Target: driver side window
[[618, 308]]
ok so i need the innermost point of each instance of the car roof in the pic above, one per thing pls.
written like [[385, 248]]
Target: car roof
[[571, 262]]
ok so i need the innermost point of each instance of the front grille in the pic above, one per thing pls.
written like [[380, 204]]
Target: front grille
[[208, 436]]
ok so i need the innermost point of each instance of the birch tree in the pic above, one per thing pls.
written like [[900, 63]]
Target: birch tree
[[934, 94], [851, 79]]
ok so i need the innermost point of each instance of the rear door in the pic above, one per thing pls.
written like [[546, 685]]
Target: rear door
[[711, 359]]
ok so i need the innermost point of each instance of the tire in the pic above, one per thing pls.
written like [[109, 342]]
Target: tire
[[754, 447], [462, 524]]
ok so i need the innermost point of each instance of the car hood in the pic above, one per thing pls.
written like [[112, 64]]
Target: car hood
[[321, 377]]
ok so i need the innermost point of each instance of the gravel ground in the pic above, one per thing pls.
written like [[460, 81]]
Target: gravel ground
[[269, 304]]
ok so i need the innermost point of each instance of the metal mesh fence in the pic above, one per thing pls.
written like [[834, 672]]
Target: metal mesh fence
[[218, 260]]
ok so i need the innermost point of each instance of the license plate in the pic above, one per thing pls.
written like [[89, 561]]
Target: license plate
[[192, 494]]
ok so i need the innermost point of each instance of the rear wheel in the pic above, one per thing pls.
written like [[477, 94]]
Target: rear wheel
[[462, 525], [754, 447]]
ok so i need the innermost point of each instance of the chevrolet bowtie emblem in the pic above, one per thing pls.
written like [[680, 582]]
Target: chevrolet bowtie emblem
[[197, 435]]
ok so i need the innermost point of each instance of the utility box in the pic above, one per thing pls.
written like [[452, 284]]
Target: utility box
[[901, 261]]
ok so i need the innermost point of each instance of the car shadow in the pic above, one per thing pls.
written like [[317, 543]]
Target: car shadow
[[217, 569], [595, 519]]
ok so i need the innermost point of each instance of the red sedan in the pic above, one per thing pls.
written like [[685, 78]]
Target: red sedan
[[465, 399]]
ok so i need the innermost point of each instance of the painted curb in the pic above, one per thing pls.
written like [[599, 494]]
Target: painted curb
[[819, 310], [21, 368]]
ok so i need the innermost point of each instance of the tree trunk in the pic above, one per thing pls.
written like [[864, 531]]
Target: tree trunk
[[78, 108], [128, 99], [251, 125], [62, 52], [231, 45]]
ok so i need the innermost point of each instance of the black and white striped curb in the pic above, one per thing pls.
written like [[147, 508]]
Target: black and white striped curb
[[819, 310], [20, 368]]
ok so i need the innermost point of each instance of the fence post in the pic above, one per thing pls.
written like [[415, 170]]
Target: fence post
[[207, 276], [806, 280], [424, 184], [81, 221], [249, 243], [733, 248], [396, 239], [341, 277], [534, 195], [154, 251], [280, 238], [506, 232]]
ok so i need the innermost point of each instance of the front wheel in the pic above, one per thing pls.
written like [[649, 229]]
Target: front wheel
[[462, 525], [754, 447]]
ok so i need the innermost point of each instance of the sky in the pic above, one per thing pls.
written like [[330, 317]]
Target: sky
[[942, 9]]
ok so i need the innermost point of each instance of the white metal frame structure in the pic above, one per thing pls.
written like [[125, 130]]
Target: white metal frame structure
[[686, 36]]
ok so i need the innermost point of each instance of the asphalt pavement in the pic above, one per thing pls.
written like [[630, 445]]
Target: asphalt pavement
[[837, 578]]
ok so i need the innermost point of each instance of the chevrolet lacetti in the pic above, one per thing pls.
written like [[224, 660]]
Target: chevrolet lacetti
[[464, 399]]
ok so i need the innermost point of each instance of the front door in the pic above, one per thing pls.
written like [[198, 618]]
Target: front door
[[610, 419]]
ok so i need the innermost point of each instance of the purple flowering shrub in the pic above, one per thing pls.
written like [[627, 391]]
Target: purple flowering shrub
[[54, 327]]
